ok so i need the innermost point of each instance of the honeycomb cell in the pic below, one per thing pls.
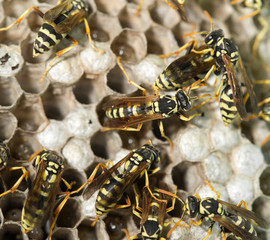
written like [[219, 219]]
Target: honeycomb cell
[[89, 90], [149, 69], [129, 19], [114, 225], [29, 76], [57, 102], [74, 177], [65, 219], [205, 191], [10, 92], [78, 153], [264, 181], [105, 144], [240, 188], [96, 63], [11, 61], [217, 167], [261, 206], [101, 32], [163, 14], [17, 8], [85, 231], [30, 113], [193, 144], [11, 231], [248, 159], [54, 136], [130, 45], [112, 7], [11, 206], [64, 233], [8, 124], [15, 34], [224, 138], [23, 144], [160, 40], [66, 70], [118, 82], [187, 176], [36, 234]]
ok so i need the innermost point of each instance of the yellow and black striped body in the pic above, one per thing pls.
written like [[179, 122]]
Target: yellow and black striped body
[[114, 187], [48, 34], [215, 210], [41, 196], [181, 71], [254, 4], [134, 110], [4, 155], [227, 107]]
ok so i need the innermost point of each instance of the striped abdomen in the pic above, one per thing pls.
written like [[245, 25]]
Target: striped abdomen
[[110, 193], [46, 39], [127, 110], [41, 196], [228, 109]]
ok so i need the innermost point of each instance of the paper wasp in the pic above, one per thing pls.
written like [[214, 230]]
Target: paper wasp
[[231, 218], [41, 197], [58, 22], [227, 59], [112, 184], [152, 213], [182, 70]]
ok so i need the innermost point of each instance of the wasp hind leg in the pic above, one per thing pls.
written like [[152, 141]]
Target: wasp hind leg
[[18, 21], [162, 133]]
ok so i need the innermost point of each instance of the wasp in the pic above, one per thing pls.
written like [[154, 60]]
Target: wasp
[[152, 213], [232, 218], [112, 184], [41, 197], [181, 71], [58, 22], [122, 113], [227, 59]]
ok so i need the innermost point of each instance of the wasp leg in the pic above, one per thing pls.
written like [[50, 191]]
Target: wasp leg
[[242, 202], [215, 191], [137, 210], [18, 21], [204, 102], [182, 117], [261, 81], [265, 140], [249, 15], [87, 30], [58, 54], [57, 212], [36, 154], [18, 182], [129, 80], [181, 49], [209, 231], [162, 133], [259, 37], [174, 227], [236, 2], [222, 232], [139, 8], [124, 128], [211, 50]]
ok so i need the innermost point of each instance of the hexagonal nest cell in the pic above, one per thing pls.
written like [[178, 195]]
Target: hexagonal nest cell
[[66, 111]]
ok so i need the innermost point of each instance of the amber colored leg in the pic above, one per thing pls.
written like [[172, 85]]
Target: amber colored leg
[[181, 49], [87, 30], [162, 133], [137, 129], [58, 54], [18, 21], [216, 192]]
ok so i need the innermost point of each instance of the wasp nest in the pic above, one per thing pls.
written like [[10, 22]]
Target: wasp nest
[[63, 112]]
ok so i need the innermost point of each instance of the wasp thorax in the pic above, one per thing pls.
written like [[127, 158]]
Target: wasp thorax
[[183, 100], [213, 37], [192, 206]]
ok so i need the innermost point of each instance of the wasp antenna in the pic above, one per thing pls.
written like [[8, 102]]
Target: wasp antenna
[[210, 19]]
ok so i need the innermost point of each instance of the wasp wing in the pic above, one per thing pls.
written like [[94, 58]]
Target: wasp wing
[[69, 23], [237, 94], [246, 213], [230, 225], [52, 14], [147, 199], [248, 84], [98, 181]]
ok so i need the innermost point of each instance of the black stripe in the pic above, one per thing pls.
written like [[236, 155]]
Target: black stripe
[[39, 45]]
